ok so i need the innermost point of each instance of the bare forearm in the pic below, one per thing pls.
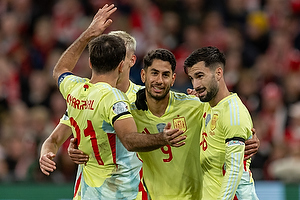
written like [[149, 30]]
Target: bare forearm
[[59, 135], [49, 146], [70, 57], [139, 142]]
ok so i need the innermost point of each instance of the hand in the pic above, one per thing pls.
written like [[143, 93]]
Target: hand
[[101, 20], [192, 92], [252, 145], [76, 155], [47, 164], [173, 136]]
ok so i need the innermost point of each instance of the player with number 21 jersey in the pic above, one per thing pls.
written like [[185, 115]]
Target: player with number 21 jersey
[[103, 146]]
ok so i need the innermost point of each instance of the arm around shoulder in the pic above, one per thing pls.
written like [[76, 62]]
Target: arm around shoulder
[[139, 142]]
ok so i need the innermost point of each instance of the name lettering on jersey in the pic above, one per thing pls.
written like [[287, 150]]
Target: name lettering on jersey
[[80, 104], [214, 121], [180, 123]]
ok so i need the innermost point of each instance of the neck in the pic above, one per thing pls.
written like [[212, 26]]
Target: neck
[[157, 107], [222, 93], [123, 82], [110, 78], [123, 85]]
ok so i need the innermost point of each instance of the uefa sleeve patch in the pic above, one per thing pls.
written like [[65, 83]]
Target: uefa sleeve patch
[[120, 107], [234, 143]]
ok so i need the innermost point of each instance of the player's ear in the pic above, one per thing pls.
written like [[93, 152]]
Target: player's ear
[[120, 66], [173, 78], [143, 75], [90, 64], [219, 73], [132, 60]]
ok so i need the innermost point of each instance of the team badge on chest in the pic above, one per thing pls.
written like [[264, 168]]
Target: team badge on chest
[[214, 121], [180, 123]]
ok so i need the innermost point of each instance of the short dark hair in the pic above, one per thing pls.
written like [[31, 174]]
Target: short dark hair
[[210, 55], [160, 54], [106, 52]]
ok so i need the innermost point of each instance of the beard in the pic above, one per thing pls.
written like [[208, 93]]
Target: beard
[[211, 93], [158, 97]]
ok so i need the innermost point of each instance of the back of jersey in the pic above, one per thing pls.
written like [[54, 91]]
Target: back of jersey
[[112, 171]]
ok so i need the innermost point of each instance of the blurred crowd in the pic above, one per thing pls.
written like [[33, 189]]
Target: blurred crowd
[[260, 38]]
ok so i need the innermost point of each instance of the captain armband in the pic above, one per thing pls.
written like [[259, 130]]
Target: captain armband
[[235, 141], [62, 76]]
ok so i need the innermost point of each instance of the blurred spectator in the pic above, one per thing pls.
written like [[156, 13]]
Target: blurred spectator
[[69, 21], [291, 84], [214, 32], [247, 88], [171, 30], [270, 123], [43, 41], [191, 12], [256, 37], [39, 89], [9, 84], [192, 39], [144, 18], [286, 168]]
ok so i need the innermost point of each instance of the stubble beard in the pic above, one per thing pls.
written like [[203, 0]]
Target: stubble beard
[[158, 97], [213, 90]]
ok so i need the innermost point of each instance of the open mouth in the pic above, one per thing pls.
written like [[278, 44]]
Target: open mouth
[[200, 91], [157, 89]]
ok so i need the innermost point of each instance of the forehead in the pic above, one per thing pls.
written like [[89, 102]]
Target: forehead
[[198, 68], [160, 65]]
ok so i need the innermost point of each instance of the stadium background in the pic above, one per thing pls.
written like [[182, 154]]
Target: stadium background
[[261, 40]]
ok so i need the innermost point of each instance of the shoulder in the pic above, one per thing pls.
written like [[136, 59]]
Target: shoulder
[[134, 88], [235, 114], [178, 96], [111, 92], [233, 104], [68, 81], [68, 77], [182, 100]]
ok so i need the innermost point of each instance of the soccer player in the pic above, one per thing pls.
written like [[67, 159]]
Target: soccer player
[[167, 172], [226, 125], [100, 117], [64, 131]]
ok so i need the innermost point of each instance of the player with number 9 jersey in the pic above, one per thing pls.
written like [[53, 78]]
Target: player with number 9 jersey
[[111, 167], [173, 173]]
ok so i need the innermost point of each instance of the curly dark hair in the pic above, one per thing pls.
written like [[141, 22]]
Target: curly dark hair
[[160, 54]]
